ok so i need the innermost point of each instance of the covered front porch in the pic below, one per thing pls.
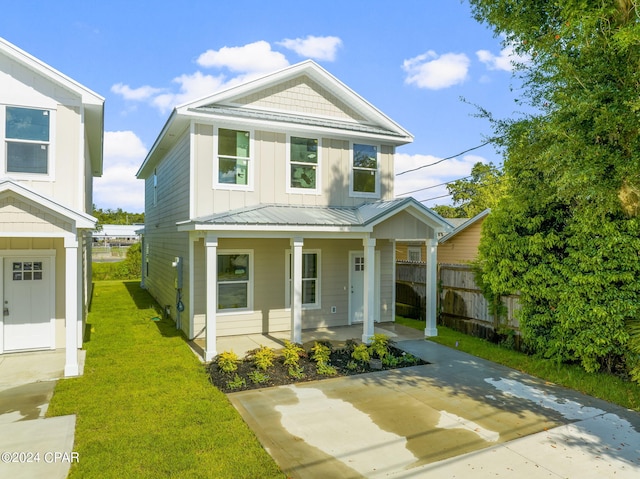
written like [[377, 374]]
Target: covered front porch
[[337, 335]]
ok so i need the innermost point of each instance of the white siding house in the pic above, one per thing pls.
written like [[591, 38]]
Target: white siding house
[[51, 130], [269, 207]]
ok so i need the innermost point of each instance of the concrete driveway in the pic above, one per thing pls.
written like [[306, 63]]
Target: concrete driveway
[[456, 417]]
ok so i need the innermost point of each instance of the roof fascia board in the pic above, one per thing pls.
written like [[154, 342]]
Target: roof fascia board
[[88, 96], [416, 210], [149, 159], [81, 220]]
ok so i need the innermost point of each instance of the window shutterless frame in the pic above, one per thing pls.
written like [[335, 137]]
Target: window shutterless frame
[[303, 172], [234, 164], [364, 174]]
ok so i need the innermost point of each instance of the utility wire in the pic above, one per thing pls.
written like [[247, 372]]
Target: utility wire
[[434, 186], [445, 159]]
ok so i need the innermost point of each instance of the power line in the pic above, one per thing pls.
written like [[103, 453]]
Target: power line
[[434, 186], [434, 198], [445, 159]]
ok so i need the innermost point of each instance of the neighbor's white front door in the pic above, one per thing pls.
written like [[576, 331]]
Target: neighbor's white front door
[[356, 287], [27, 312]]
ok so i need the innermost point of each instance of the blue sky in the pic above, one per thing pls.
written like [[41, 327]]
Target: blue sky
[[414, 60]]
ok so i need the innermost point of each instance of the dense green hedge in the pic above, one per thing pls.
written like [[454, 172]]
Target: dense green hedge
[[127, 269]]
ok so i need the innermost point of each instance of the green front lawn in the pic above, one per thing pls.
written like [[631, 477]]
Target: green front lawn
[[604, 386], [145, 407]]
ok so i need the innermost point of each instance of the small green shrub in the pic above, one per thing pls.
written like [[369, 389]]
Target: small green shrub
[[228, 361], [296, 372], [379, 346], [326, 369], [361, 353], [236, 383], [291, 353], [321, 353], [408, 359], [263, 357], [390, 361], [258, 377], [352, 365]]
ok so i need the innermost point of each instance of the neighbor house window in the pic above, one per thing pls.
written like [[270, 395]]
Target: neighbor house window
[[364, 174], [234, 157], [234, 281], [303, 164], [414, 254], [27, 140], [310, 279]]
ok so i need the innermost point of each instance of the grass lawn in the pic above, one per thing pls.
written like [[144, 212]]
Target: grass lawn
[[145, 407], [604, 386]]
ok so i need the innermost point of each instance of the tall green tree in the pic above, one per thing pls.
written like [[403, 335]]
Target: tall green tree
[[567, 233], [481, 190]]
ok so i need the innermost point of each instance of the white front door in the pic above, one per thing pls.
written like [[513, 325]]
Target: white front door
[[356, 287], [27, 313]]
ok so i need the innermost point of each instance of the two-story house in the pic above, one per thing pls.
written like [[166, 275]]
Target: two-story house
[[269, 206], [51, 131]]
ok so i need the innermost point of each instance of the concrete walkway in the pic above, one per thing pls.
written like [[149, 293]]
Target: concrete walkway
[[32, 447], [459, 416]]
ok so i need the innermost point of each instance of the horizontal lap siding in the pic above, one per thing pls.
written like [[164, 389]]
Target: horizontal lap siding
[[161, 234]]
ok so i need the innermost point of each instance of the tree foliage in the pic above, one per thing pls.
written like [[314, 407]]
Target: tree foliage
[[481, 190], [566, 235], [116, 217]]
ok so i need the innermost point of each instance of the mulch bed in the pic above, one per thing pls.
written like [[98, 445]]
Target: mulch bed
[[279, 373]]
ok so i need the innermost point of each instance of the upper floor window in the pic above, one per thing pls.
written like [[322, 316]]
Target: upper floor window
[[27, 140], [234, 158], [303, 165], [365, 180]]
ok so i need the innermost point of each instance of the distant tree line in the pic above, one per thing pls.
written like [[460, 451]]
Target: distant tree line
[[116, 217]]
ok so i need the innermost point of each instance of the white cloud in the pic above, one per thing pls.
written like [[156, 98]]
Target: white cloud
[[503, 61], [429, 177], [118, 186], [192, 87], [136, 94], [435, 72], [253, 57], [318, 48]]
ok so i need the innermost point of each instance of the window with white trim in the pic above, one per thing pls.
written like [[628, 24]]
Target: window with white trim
[[365, 177], [235, 282], [310, 279], [414, 253], [27, 133], [303, 167], [234, 163]]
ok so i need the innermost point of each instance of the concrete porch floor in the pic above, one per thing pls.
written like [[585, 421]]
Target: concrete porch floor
[[338, 335]]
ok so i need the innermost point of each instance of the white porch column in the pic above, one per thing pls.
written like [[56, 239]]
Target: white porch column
[[369, 288], [211, 259], [431, 288], [296, 290], [71, 367]]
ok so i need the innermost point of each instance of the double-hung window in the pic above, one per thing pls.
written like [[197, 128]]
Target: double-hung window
[[234, 281], [310, 279], [303, 165], [365, 177], [27, 140], [234, 158]]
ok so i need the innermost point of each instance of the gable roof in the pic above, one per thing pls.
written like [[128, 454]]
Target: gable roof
[[79, 219], [359, 118], [465, 225], [297, 218], [92, 102]]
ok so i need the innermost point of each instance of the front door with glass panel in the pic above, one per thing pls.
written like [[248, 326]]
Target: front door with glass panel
[[27, 321], [356, 287]]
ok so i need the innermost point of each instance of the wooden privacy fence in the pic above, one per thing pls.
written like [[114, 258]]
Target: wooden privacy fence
[[461, 303]]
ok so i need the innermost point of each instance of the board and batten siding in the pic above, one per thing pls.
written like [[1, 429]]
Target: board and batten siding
[[164, 241], [270, 313]]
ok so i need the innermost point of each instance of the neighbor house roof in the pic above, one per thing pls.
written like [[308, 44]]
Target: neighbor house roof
[[92, 102], [464, 225]]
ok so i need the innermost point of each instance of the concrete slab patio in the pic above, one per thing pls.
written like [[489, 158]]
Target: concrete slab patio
[[459, 416], [31, 445]]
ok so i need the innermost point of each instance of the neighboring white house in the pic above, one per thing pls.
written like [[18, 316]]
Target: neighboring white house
[[270, 207], [118, 233], [51, 130]]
